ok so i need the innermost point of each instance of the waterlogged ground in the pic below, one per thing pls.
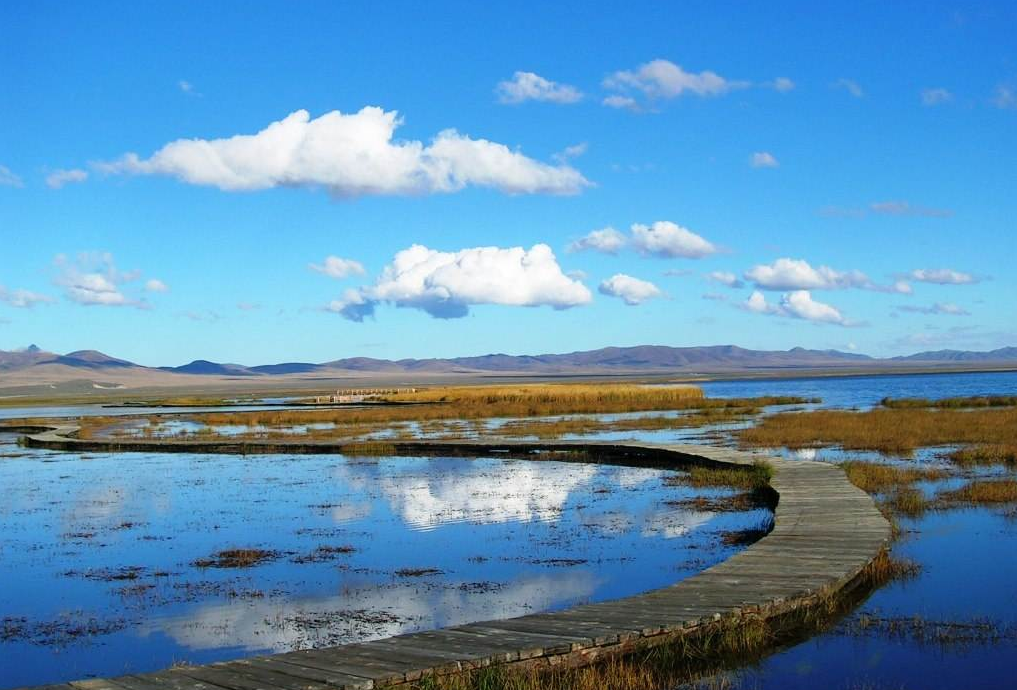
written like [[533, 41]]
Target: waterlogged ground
[[108, 563]]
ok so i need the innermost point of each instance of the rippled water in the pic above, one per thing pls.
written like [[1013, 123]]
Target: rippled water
[[98, 551]]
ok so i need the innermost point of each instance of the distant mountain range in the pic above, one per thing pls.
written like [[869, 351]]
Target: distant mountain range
[[33, 366]]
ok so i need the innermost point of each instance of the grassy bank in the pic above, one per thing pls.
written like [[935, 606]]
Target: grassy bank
[[887, 430]]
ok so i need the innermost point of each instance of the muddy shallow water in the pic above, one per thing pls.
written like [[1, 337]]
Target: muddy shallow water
[[108, 562]]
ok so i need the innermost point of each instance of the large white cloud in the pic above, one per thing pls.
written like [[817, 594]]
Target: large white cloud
[[350, 155], [942, 276], [446, 284], [527, 86], [798, 304], [667, 239], [798, 274], [632, 290]]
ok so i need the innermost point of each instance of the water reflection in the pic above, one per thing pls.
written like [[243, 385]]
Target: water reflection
[[101, 548], [367, 613]]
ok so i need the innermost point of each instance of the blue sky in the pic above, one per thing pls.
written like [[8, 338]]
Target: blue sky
[[768, 178]]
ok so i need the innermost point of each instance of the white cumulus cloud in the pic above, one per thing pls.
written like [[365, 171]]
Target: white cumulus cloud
[[606, 240], [446, 284], [350, 155], [93, 279], [338, 267], [763, 159], [667, 239], [59, 178], [632, 290], [798, 274], [798, 304], [527, 86], [942, 276], [23, 299], [665, 79], [620, 102], [156, 285], [725, 278]]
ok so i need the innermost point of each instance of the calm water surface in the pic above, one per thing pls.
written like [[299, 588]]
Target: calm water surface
[[98, 552]]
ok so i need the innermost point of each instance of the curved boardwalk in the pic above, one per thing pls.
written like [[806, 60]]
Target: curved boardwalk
[[826, 532]]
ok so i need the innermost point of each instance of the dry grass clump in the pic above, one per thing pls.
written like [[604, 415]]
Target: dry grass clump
[[907, 501], [750, 477], [536, 399], [368, 449], [876, 477], [885, 430], [556, 428], [959, 402], [983, 492], [237, 558], [986, 454]]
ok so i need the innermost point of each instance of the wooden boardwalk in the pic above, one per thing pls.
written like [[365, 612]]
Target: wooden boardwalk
[[826, 531]]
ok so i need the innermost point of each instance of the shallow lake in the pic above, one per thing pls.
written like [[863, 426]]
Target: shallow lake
[[108, 561]]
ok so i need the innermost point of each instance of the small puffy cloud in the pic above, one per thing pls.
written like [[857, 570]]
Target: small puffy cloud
[[59, 178], [936, 96], [798, 274], [350, 155], [93, 279], [8, 178], [660, 79], [187, 88], [667, 239], [446, 284], [763, 159], [850, 86], [570, 152], [607, 241], [620, 102], [156, 285], [337, 267], [939, 308], [631, 290], [903, 208], [527, 86], [23, 299], [1005, 98], [782, 84], [942, 276], [797, 305], [725, 278]]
